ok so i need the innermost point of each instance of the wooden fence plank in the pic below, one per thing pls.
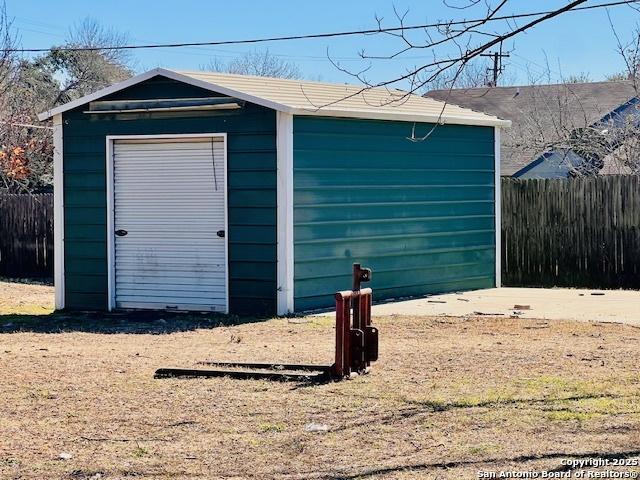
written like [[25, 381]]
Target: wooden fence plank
[[580, 232], [26, 236]]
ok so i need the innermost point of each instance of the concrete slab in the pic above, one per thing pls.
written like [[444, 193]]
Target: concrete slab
[[622, 306]]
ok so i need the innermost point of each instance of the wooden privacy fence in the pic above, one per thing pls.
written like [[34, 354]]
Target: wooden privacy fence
[[580, 232], [26, 236]]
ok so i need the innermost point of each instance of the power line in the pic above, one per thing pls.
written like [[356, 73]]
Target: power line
[[543, 68], [311, 36]]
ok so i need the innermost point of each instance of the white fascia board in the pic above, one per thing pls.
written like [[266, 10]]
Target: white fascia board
[[403, 117], [285, 254], [498, 207], [58, 213], [165, 73]]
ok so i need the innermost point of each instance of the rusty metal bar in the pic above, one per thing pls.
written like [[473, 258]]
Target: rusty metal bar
[[348, 294], [363, 305], [369, 309], [364, 302], [355, 286], [338, 365], [270, 366], [346, 336], [242, 374]]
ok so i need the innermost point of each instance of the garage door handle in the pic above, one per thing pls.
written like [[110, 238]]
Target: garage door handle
[[220, 233], [121, 233]]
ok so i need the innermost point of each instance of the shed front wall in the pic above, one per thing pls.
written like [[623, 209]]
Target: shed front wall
[[420, 214], [251, 157]]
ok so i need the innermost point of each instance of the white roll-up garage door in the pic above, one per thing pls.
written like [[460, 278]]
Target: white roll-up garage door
[[169, 224]]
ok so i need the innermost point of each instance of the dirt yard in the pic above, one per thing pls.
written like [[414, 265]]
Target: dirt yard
[[449, 398]]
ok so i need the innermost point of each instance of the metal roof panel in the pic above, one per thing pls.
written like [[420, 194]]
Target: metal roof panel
[[302, 97]]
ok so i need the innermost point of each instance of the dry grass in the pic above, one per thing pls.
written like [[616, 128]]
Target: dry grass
[[448, 397], [25, 298]]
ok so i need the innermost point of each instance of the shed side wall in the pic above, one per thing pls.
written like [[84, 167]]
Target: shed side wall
[[421, 214], [251, 192]]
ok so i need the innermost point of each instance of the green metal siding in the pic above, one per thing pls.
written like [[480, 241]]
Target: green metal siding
[[251, 159], [421, 214]]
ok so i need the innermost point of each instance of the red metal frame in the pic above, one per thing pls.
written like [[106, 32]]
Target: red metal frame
[[356, 338]]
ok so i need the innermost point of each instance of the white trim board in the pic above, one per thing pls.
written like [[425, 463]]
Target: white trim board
[[110, 204], [498, 207], [285, 259], [400, 117], [58, 212]]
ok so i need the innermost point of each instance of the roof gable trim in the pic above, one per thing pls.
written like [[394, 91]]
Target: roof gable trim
[[280, 107], [165, 73]]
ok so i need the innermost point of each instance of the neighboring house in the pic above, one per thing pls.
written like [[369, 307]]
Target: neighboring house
[[214, 192], [548, 113]]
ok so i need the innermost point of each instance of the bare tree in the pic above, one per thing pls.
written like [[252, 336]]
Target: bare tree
[[26, 148], [453, 45], [575, 132], [475, 74], [617, 77], [557, 122], [442, 38], [16, 173], [629, 51], [581, 77], [8, 59], [85, 71], [31, 86], [26, 152], [258, 63]]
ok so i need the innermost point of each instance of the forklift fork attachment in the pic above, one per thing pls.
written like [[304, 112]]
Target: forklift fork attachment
[[356, 346]]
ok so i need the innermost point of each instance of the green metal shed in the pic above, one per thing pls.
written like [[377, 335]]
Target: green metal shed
[[252, 195]]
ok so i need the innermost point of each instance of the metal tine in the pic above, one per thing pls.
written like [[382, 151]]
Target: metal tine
[[269, 366], [240, 374]]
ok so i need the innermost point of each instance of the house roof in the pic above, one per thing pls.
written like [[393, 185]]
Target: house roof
[[555, 107], [309, 98]]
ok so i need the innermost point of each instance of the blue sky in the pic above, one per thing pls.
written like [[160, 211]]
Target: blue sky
[[573, 43]]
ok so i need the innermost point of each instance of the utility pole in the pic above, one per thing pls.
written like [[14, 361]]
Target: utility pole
[[497, 64]]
